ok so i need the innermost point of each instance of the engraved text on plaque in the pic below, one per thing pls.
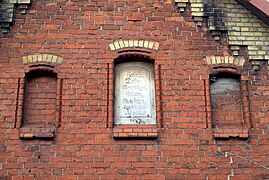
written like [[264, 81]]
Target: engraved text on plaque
[[134, 93]]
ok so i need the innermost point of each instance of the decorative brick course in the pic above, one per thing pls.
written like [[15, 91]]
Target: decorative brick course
[[42, 58], [229, 60]]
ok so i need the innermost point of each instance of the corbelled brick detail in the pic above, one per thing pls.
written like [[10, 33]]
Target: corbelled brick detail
[[7, 8], [242, 27], [197, 9], [6, 15], [229, 60], [42, 58], [121, 44]]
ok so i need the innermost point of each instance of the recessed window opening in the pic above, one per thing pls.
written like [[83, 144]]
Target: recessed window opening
[[226, 101], [40, 99]]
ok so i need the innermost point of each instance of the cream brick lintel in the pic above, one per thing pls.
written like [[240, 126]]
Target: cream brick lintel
[[181, 1], [45, 58], [120, 44], [214, 60]]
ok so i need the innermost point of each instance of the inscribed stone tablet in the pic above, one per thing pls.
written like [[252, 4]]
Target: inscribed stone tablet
[[134, 93]]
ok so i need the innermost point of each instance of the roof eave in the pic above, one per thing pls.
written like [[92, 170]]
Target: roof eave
[[258, 8]]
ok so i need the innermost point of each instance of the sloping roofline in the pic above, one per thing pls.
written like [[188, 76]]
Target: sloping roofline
[[258, 7]]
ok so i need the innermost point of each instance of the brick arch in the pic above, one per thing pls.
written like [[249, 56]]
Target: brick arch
[[39, 101], [227, 99], [134, 56], [42, 62], [127, 44], [225, 64], [41, 68], [42, 58], [225, 60]]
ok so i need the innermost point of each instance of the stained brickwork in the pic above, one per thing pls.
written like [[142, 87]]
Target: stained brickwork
[[6, 15], [243, 28], [85, 143], [7, 8]]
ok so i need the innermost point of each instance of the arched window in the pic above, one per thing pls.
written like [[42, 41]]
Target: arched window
[[134, 91], [38, 108], [227, 103]]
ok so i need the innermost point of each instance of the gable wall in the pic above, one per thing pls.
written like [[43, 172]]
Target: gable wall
[[79, 34]]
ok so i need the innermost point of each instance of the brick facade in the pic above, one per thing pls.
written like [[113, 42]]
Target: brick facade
[[57, 87]]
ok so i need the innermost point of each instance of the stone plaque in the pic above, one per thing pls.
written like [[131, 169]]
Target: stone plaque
[[134, 93]]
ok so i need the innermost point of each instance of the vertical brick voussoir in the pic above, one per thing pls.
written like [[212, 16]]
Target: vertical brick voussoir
[[42, 58]]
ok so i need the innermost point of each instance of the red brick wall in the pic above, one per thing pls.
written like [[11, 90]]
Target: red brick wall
[[83, 146], [40, 101]]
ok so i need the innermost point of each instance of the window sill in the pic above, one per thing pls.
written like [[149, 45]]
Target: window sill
[[37, 133], [230, 133], [130, 131]]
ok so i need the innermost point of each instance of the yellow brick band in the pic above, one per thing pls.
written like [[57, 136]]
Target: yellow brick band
[[180, 1], [214, 60], [120, 44], [45, 58]]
